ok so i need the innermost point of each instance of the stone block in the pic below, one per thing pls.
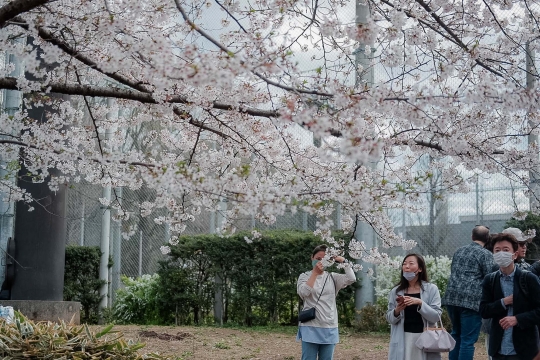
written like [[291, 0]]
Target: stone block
[[38, 310]]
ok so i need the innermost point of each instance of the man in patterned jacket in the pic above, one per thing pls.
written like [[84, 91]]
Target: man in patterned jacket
[[470, 264]]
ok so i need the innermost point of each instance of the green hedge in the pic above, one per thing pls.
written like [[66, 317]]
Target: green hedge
[[257, 280]]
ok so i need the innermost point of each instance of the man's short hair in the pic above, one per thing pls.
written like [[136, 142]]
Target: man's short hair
[[480, 233], [505, 237]]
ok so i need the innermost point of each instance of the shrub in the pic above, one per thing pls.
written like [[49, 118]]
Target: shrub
[[182, 294], [81, 280], [372, 317], [137, 302], [45, 340]]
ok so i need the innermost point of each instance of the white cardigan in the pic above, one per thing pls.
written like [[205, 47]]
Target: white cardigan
[[430, 311]]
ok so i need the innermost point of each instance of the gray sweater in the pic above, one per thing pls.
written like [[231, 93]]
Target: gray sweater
[[327, 316]]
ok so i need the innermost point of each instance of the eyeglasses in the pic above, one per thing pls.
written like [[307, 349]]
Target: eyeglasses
[[522, 244]]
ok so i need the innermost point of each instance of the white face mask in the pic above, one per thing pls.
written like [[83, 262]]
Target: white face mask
[[409, 275], [503, 258]]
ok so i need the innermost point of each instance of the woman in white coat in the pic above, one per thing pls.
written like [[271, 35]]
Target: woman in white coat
[[411, 303]]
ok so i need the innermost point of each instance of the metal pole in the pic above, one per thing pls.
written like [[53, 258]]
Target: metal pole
[[213, 220], [105, 233], [81, 239], [403, 222], [12, 104], [534, 176], [104, 261], [117, 252], [338, 216], [477, 203], [220, 218], [140, 254], [366, 293]]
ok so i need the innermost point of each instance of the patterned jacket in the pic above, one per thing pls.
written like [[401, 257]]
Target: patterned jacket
[[470, 264]]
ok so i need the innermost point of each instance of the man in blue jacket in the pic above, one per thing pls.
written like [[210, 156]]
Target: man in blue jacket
[[511, 298]]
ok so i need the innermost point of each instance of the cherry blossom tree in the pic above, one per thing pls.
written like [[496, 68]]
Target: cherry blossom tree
[[224, 83]]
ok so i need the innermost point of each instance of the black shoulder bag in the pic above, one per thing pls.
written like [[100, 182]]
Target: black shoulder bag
[[309, 313]]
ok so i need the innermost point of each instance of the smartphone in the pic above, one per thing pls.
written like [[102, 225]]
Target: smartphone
[[399, 298]]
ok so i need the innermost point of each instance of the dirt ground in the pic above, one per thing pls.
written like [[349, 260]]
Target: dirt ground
[[210, 343]]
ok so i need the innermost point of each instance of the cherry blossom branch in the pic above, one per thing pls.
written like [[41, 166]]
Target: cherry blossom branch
[[231, 15], [92, 118], [311, 21], [50, 38], [58, 152], [126, 94], [152, 167], [230, 53], [10, 83], [451, 35], [454, 36], [17, 7], [199, 124]]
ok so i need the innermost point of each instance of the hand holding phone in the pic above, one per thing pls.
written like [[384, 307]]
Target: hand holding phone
[[400, 305]]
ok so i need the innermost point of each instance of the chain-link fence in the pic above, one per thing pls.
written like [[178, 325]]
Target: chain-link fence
[[134, 245], [491, 203]]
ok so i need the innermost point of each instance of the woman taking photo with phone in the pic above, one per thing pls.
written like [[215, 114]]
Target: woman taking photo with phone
[[318, 289], [412, 303]]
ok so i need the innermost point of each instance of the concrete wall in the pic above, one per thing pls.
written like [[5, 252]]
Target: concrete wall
[[53, 311]]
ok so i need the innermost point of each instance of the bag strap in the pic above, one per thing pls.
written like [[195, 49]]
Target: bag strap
[[426, 323], [323, 288], [492, 278], [523, 283]]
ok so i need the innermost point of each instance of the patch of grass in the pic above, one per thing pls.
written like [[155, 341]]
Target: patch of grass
[[221, 345], [186, 355]]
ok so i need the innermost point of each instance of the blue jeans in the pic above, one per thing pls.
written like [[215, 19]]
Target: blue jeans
[[466, 325], [310, 351]]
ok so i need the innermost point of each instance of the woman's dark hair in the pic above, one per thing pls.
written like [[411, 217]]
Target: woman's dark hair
[[319, 248], [404, 283]]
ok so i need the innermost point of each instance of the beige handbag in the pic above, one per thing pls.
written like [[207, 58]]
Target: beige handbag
[[435, 339]]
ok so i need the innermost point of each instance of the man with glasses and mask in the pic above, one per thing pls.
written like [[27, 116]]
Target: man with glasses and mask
[[511, 298], [470, 264]]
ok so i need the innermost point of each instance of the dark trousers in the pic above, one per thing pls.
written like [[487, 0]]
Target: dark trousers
[[506, 357]]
